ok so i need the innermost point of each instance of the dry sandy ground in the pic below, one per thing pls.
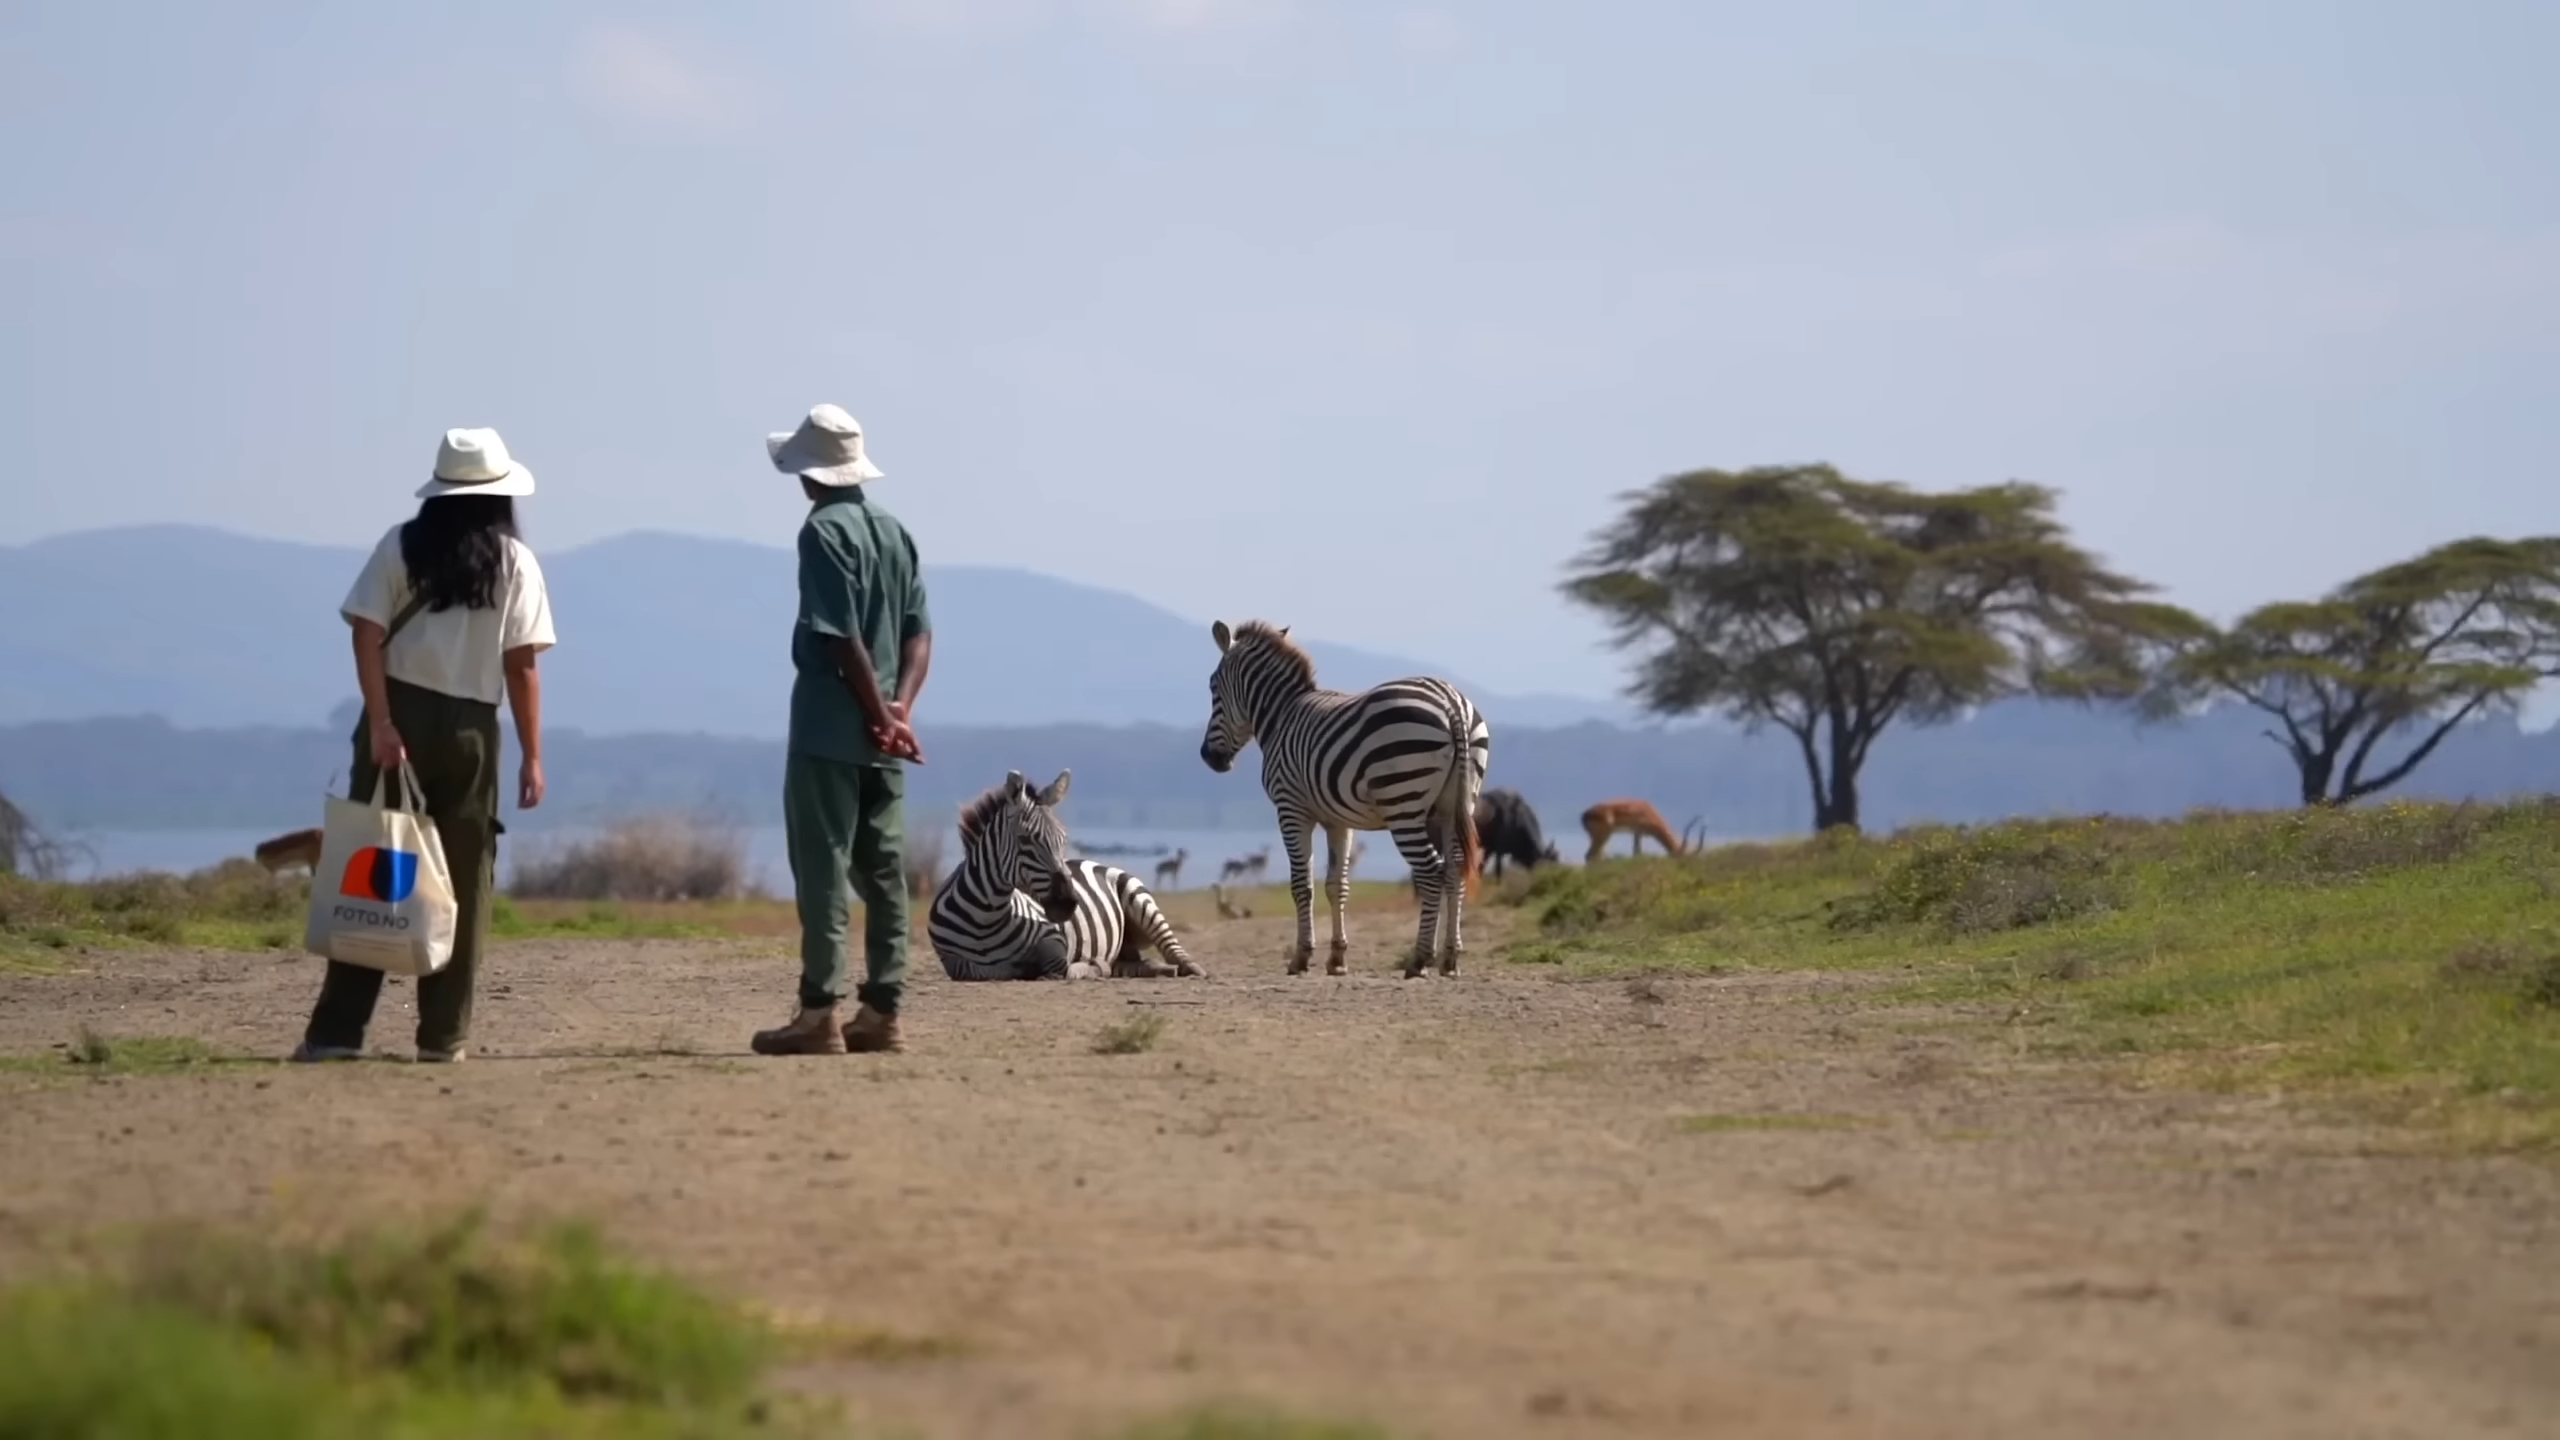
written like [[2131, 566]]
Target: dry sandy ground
[[1466, 1208]]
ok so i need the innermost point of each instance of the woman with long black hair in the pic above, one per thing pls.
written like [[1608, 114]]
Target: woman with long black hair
[[449, 615]]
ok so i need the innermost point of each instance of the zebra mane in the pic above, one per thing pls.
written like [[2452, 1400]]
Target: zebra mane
[[975, 814], [1276, 640]]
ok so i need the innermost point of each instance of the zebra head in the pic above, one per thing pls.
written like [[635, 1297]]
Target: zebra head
[[1013, 837], [1252, 662]]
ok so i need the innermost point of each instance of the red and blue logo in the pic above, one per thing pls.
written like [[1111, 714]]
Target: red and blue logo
[[381, 875]]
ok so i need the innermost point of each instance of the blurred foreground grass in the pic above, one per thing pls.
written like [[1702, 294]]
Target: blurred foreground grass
[[446, 1330], [437, 1332]]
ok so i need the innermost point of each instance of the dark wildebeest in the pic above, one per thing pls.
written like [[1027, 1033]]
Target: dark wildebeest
[[1508, 829]]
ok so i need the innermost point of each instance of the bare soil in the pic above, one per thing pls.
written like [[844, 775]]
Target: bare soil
[[1492, 1206]]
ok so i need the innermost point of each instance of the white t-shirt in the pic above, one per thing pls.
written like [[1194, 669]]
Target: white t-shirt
[[454, 652]]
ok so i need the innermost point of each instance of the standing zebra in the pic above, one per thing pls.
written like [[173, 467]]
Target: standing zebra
[[1407, 757], [1088, 920]]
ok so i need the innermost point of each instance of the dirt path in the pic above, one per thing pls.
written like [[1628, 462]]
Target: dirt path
[[1477, 1208]]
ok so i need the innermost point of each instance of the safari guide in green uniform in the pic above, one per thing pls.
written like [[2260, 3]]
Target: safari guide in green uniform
[[859, 650]]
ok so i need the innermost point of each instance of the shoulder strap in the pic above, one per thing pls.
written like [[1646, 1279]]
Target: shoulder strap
[[408, 612]]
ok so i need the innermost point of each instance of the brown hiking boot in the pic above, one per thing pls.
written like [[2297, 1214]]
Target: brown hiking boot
[[811, 1032], [871, 1033]]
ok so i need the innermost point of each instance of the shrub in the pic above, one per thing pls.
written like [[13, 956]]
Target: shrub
[[2531, 972], [647, 858], [2341, 845], [2005, 877]]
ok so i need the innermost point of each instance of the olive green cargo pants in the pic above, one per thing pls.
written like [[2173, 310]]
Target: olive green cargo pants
[[453, 747], [845, 828]]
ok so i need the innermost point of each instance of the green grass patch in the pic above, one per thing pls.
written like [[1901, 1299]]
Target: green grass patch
[[514, 919], [91, 1053], [446, 1331], [1134, 1036], [1744, 1124], [2404, 958], [1245, 1422], [39, 955]]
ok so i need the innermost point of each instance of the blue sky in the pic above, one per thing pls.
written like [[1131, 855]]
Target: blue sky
[[1354, 316]]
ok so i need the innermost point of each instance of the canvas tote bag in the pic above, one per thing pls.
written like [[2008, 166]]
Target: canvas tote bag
[[382, 896]]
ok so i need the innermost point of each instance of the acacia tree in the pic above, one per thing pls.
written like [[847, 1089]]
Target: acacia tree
[[1795, 596], [23, 849], [2411, 650]]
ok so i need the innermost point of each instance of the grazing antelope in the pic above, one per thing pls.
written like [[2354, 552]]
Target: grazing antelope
[[1257, 863], [301, 848], [1407, 757], [1169, 871], [1639, 820]]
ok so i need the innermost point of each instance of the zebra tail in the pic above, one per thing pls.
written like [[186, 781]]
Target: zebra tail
[[1471, 846], [1462, 804]]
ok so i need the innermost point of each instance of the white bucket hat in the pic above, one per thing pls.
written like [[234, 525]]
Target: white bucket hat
[[826, 448], [476, 462]]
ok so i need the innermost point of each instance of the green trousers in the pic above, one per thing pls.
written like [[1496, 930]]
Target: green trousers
[[453, 747], [845, 827]]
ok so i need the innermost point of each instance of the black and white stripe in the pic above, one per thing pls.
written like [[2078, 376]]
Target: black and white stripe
[[1408, 757], [1115, 920], [1018, 907]]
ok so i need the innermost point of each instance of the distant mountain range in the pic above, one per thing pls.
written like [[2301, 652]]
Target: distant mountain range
[[660, 634]]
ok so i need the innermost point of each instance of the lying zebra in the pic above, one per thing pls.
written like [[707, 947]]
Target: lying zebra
[[1088, 919]]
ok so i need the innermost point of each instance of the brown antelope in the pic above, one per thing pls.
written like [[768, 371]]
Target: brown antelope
[[301, 848], [1169, 871], [1639, 820]]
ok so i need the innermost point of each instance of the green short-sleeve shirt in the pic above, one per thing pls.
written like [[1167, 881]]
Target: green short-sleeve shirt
[[859, 581]]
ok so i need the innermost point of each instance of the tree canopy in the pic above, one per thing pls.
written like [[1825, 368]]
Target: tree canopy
[[2410, 650], [1830, 607]]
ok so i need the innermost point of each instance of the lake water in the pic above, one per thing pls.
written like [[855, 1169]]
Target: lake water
[[119, 852]]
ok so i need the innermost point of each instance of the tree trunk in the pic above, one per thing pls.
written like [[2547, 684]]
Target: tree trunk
[[1840, 807], [1813, 778], [2316, 772]]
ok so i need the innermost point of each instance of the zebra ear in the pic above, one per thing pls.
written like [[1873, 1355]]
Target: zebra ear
[[1014, 785], [1057, 790], [1219, 632], [1284, 629]]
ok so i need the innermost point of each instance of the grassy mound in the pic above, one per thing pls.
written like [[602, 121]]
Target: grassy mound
[[450, 1330], [234, 905], [2406, 952]]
